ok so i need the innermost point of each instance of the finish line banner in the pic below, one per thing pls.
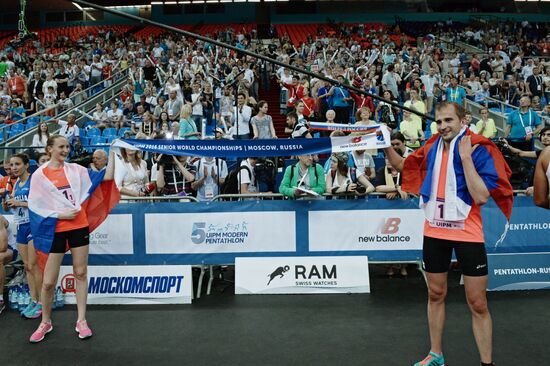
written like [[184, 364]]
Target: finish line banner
[[379, 138]]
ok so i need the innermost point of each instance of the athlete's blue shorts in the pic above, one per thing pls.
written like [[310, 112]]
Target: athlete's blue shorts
[[24, 234]]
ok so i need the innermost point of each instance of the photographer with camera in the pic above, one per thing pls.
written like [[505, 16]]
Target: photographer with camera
[[544, 137], [173, 175]]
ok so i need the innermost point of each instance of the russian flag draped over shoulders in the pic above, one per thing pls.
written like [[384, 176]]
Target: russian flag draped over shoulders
[[489, 163], [46, 202]]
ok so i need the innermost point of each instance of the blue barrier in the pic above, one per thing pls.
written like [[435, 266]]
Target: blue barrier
[[218, 232]]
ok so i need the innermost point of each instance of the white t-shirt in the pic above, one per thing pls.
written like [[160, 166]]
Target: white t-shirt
[[39, 143], [113, 115], [210, 187], [96, 72], [70, 132], [245, 177], [362, 162], [197, 108]]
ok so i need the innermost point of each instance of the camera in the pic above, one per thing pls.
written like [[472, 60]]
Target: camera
[[165, 161]]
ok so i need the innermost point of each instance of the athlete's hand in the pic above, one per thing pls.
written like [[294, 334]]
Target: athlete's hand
[[465, 148], [68, 215]]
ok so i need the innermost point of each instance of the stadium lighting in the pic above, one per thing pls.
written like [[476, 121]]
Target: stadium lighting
[[170, 2], [156, 2]]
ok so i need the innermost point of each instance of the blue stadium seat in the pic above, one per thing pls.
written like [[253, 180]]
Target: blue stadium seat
[[94, 141], [109, 139], [109, 132], [31, 124], [92, 132], [123, 130], [16, 129]]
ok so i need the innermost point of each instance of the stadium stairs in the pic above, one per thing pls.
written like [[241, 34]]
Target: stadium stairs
[[272, 97]]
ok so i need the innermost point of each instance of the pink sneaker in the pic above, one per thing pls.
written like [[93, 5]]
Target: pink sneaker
[[83, 330], [40, 333]]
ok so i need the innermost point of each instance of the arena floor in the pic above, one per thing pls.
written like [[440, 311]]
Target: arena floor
[[386, 327]]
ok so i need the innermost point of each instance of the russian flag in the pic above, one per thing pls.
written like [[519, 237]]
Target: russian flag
[[91, 193], [489, 163]]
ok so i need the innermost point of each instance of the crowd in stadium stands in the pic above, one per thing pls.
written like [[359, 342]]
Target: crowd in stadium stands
[[179, 88]]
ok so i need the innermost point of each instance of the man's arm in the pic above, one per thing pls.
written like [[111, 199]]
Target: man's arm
[[394, 158], [507, 130], [540, 186], [477, 188]]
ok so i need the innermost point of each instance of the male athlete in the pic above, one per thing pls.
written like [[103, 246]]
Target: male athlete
[[454, 179], [542, 179]]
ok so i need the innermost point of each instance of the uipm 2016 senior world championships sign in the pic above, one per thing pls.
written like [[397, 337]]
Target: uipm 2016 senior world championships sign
[[368, 137]]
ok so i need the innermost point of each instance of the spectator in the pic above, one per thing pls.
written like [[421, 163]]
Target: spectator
[[64, 104], [137, 119], [211, 174], [412, 130], [42, 159], [70, 130], [16, 84], [297, 129], [28, 104], [99, 160], [115, 117], [197, 106], [456, 93], [397, 141], [303, 178], [17, 112], [262, 123], [246, 178], [35, 85], [486, 126], [188, 128], [416, 104], [339, 101], [133, 183], [242, 115], [142, 102], [390, 80], [174, 176], [173, 107], [341, 179], [522, 125], [387, 113]]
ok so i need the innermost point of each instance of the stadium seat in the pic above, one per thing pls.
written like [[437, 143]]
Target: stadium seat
[[30, 125], [109, 132], [16, 129], [123, 130], [92, 132]]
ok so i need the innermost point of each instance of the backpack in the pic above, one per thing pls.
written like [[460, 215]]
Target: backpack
[[231, 184]]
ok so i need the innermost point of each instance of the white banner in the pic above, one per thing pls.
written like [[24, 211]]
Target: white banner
[[114, 236], [221, 232], [131, 284], [366, 230], [378, 139], [302, 275]]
